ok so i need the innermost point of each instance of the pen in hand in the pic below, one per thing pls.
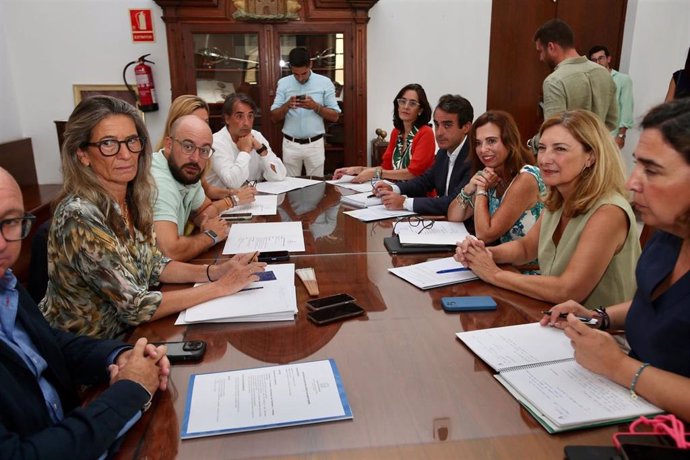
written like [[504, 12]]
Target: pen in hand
[[589, 321]]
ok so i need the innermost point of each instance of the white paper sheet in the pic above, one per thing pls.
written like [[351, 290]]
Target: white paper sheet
[[346, 182], [269, 236], [373, 213], [523, 344], [424, 275], [361, 200], [289, 183], [264, 398], [263, 205], [442, 233], [344, 179], [270, 300]]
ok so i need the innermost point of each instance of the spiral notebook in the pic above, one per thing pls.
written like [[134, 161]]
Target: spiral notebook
[[537, 366]]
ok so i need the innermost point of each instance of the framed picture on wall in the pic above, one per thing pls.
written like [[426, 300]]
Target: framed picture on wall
[[117, 91]]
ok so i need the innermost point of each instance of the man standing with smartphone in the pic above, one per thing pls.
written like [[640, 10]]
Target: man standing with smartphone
[[304, 100]]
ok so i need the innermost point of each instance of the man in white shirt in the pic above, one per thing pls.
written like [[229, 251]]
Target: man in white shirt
[[241, 153]]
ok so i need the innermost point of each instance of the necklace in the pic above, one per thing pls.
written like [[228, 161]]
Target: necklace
[[125, 214]]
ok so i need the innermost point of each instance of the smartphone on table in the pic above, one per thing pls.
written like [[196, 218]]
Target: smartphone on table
[[330, 301], [274, 256], [187, 351], [237, 217], [334, 313], [468, 303]]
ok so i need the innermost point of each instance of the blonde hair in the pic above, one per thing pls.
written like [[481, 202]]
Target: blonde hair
[[604, 177], [82, 181], [181, 106]]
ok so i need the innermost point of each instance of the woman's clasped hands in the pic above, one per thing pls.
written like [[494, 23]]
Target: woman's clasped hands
[[473, 254]]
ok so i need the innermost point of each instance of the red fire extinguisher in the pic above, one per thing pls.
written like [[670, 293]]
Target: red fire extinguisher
[[144, 78]]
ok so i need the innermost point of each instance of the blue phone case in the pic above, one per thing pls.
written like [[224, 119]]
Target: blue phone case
[[468, 303]]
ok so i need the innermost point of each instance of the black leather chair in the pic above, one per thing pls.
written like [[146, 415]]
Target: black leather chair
[[37, 281]]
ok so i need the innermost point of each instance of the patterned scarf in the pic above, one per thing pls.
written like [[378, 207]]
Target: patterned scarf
[[402, 156]]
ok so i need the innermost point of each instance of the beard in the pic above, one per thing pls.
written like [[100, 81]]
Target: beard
[[179, 174]]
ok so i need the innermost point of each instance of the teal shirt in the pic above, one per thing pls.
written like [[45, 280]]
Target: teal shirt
[[174, 201], [624, 95]]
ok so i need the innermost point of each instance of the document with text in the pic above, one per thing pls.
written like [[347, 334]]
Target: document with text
[[264, 398], [268, 236], [426, 275], [537, 366], [440, 233]]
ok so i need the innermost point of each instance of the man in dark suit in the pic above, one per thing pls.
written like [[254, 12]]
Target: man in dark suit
[[41, 368], [450, 172]]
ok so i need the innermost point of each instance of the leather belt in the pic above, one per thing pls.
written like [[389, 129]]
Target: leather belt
[[307, 140]]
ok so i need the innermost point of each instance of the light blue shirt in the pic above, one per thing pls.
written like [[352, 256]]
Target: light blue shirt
[[624, 95], [14, 335], [303, 123]]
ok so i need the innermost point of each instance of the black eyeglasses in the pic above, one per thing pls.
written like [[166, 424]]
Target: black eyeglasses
[[17, 228], [415, 222], [111, 147], [189, 147]]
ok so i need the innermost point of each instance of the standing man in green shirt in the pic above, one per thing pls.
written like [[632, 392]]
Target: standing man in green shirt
[[575, 83], [624, 94]]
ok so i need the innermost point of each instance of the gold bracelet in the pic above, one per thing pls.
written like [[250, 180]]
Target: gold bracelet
[[228, 203]]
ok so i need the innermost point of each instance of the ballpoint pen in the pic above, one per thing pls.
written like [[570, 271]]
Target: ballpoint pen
[[581, 318], [453, 270], [251, 288]]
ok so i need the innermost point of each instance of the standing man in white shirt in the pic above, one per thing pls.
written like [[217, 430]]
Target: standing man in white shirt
[[304, 100], [242, 153]]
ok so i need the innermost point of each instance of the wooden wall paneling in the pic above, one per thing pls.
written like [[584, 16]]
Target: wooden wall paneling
[[515, 73], [595, 22]]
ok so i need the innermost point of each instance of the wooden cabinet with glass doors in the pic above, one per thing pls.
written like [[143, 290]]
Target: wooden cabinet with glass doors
[[213, 55]]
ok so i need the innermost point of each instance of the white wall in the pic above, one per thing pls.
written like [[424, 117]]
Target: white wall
[[51, 45], [10, 124], [657, 37], [442, 45]]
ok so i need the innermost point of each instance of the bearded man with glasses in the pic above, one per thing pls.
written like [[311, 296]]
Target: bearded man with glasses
[[177, 169]]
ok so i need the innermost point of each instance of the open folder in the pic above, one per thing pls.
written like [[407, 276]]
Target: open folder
[[434, 273], [537, 366]]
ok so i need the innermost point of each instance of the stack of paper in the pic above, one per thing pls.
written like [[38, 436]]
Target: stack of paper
[[271, 299], [442, 233], [361, 200], [434, 273], [537, 366], [285, 185]]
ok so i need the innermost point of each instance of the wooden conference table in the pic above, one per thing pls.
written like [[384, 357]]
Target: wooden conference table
[[415, 390]]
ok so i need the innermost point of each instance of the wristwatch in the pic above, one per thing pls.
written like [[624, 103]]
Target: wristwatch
[[261, 149], [235, 200], [213, 235], [621, 135]]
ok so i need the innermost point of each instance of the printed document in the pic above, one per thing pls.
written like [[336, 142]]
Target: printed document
[[442, 233], [264, 398], [269, 236], [425, 276]]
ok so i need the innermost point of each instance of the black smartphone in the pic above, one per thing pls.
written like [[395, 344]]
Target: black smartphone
[[648, 451], [652, 439], [187, 351], [237, 217], [335, 313], [274, 256], [300, 97], [330, 301]]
